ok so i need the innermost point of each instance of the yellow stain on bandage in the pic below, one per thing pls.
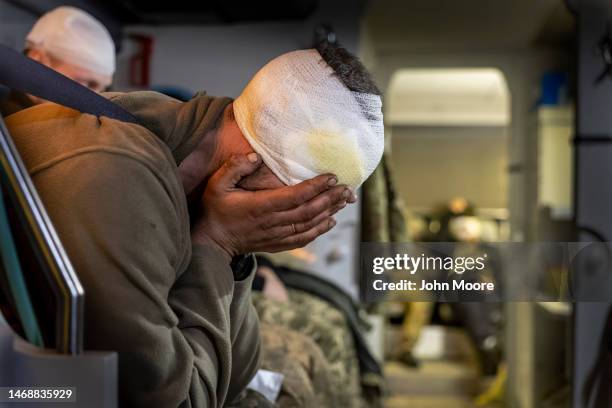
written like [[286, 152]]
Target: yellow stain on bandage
[[335, 153]]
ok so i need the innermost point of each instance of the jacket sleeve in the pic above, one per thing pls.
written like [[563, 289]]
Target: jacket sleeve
[[244, 340], [246, 343], [168, 314]]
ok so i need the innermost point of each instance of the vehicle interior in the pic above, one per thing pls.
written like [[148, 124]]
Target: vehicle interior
[[498, 108]]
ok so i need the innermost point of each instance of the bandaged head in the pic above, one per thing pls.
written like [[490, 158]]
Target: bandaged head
[[303, 121], [75, 37]]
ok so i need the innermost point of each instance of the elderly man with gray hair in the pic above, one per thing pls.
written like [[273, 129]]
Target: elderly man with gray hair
[[73, 43]]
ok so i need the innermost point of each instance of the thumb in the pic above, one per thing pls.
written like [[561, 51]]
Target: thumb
[[236, 168]]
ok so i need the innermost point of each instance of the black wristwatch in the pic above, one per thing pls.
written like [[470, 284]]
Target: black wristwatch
[[242, 266]]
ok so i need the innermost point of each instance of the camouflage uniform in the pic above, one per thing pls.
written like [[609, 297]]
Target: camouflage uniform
[[251, 399], [308, 379], [327, 326], [382, 210]]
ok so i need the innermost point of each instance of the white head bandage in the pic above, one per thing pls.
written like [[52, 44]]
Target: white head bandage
[[304, 121], [77, 38]]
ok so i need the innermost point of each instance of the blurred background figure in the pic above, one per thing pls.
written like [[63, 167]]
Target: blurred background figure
[[456, 222], [73, 43]]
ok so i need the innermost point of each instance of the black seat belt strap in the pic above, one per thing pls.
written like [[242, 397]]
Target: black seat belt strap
[[21, 73]]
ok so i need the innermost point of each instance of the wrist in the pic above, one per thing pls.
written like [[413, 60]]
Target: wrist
[[201, 238], [243, 266]]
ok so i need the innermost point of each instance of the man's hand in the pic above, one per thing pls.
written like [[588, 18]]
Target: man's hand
[[238, 221]]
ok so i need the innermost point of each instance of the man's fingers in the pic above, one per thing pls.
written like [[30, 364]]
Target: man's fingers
[[285, 198], [337, 207], [322, 203], [285, 230], [306, 237], [300, 239], [282, 231], [236, 168]]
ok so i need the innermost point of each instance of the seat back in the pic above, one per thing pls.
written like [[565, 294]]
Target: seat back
[[92, 375]]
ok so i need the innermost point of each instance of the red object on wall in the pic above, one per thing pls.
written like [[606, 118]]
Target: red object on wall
[[140, 63]]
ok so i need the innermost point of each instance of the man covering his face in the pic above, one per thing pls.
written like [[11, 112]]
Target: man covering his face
[[169, 292], [306, 113]]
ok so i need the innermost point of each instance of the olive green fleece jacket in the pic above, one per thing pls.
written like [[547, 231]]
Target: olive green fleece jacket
[[185, 330]]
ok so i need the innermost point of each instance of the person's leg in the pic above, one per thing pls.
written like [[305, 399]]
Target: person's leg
[[478, 319], [418, 315]]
